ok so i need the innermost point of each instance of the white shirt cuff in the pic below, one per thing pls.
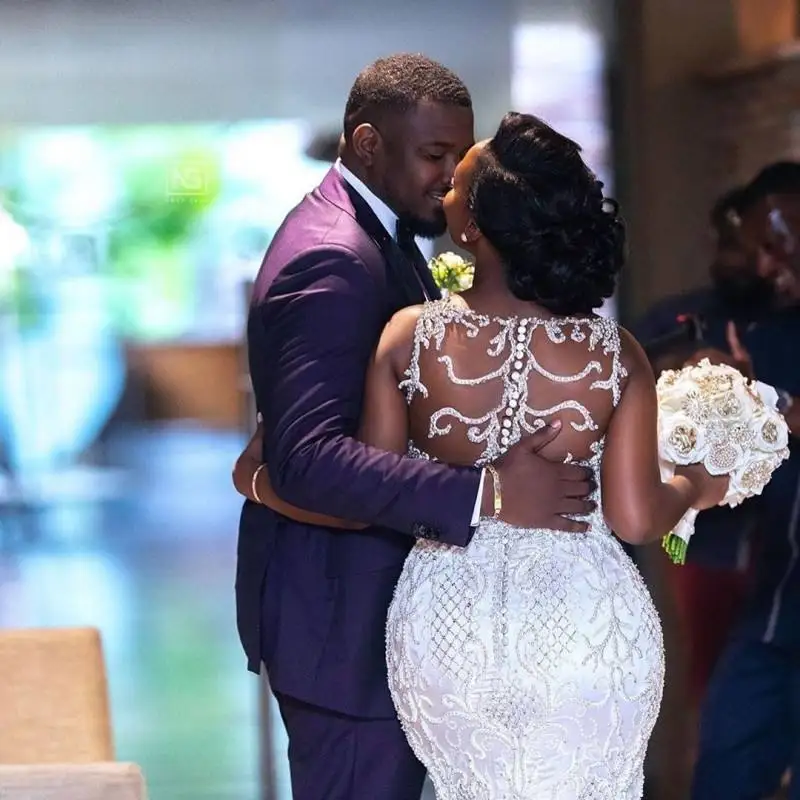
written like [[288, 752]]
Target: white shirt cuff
[[476, 514]]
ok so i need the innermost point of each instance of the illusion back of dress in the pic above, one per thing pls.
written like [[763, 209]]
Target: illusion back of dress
[[477, 384]]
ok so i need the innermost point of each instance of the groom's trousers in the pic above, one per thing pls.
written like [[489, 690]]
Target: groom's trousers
[[333, 756], [750, 724]]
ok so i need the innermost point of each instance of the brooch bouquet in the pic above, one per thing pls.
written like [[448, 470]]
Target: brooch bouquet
[[451, 273], [711, 414]]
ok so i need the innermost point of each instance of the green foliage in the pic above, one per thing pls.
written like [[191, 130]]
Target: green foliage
[[165, 196]]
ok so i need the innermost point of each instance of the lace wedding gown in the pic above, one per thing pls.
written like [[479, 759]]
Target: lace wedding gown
[[528, 665]]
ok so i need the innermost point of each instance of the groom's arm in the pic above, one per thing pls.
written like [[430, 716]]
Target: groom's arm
[[314, 331]]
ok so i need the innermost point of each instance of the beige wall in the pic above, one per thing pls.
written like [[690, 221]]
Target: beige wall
[[664, 44]]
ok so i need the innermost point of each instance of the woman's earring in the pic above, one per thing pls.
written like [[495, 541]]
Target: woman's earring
[[464, 238]]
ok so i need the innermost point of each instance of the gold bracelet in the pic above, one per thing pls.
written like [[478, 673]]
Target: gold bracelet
[[254, 482], [498, 491]]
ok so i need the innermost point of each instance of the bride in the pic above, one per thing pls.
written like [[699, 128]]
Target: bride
[[528, 665]]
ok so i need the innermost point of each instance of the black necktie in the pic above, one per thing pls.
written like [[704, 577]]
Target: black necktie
[[408, 245]]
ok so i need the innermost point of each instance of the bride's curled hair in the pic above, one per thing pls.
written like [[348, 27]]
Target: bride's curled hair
[[543, 210]]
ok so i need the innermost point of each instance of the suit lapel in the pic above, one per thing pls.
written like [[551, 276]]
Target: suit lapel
[[401, 272], [425, 275], [407, 278]]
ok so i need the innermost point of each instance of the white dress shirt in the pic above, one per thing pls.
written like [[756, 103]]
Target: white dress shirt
[[388, 219]]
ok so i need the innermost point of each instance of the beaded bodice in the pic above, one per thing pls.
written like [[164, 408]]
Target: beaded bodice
[[511, 375]]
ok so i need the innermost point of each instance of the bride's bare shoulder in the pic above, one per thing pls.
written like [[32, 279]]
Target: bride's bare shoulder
[[402, 324], [632, 353], [399, 333], [397, 339]]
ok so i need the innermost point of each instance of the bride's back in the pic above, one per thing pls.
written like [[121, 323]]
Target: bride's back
[[477, 384]]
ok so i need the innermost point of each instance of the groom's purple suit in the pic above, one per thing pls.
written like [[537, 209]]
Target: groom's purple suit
[[312, 601]]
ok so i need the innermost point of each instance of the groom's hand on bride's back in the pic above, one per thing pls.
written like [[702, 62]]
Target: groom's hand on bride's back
[[537, 493]]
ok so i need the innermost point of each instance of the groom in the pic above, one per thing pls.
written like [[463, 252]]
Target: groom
[[312, 601]]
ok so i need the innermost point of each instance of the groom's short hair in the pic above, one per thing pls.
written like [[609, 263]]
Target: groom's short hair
[[399, 83]]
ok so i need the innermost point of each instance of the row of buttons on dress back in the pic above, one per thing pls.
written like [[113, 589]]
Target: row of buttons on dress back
[[517, 380]]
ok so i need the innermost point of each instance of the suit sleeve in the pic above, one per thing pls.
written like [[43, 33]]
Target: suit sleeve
[[318, 324]]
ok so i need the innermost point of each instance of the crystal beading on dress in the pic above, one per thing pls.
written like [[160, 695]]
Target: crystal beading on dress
[[528, 665], [500, 427]]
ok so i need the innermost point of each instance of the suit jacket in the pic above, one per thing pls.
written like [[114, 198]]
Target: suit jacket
[[312, 601]]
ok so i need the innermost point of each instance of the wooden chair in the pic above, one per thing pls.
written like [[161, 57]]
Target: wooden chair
[[53, 697]]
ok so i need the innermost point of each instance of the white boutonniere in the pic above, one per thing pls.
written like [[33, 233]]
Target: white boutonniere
[[451, 272]]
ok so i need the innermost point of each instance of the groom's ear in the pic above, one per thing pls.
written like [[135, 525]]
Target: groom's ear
[[366, 141]]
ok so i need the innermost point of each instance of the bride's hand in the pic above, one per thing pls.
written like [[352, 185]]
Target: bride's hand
[[711, 489], [248, 462]]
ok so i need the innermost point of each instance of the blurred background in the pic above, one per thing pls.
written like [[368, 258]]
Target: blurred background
[[148, 152]]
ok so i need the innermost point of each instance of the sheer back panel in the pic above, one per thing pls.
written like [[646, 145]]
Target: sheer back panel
[[477, 384]]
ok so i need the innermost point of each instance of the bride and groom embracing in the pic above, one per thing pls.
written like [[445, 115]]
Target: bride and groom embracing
[[425, 564]]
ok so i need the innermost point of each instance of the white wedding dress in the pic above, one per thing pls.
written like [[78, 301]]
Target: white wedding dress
[[528, 665]]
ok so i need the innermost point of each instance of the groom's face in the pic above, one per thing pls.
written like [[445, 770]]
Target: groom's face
[[419, 153]]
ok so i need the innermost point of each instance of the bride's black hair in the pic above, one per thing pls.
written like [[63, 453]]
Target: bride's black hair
[[543, 210]]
